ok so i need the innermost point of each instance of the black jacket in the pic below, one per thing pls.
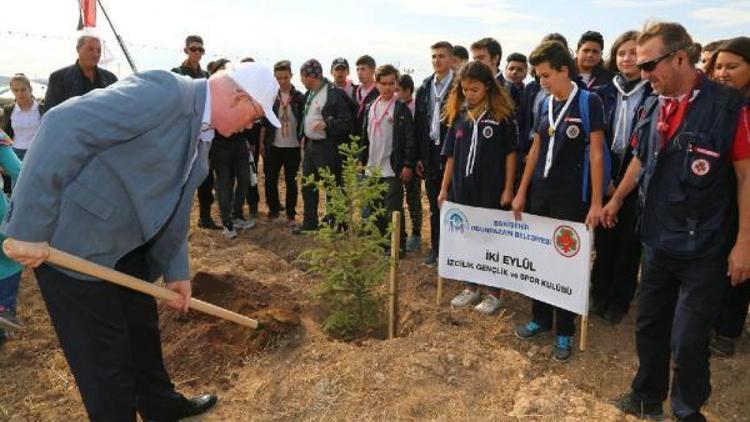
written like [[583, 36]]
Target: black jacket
[[296, 104], [69, 82], [427, 151], [337, 114], [359, 116], [186, 70], [404, 150]]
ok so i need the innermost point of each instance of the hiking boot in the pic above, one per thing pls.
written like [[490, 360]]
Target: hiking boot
[[723, 347], [414, 242], [229, 232], [631, 406], [8, 321], [529, 330], [208, 224], [694, 417], [563, 348], [597, 307], [489, 305], [613, 316], [465, 298]]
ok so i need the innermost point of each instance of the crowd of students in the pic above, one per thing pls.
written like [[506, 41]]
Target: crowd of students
[[648, 150]]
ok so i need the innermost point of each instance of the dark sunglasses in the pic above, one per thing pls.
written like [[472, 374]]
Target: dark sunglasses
[[197, 49], [650, 65]]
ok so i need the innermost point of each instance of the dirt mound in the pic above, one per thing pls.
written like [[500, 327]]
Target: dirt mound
[[203, 347]]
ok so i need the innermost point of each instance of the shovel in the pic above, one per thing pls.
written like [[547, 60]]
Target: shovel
[[74, 263]]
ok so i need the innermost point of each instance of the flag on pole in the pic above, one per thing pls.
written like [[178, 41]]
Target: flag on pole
[[86, 14]]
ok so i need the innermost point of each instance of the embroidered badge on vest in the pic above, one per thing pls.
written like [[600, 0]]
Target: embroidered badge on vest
[[572, 131], [700, 167]]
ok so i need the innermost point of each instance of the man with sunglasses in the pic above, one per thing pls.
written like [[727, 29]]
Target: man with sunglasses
[[126, 164], [192, 64], [691, 165], [192, 67]]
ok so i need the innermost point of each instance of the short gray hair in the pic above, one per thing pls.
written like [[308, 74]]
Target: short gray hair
[[82, 40]]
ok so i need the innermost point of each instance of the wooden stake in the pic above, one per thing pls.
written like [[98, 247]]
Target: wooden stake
[[439, 297], [393, 288], [584, 332]]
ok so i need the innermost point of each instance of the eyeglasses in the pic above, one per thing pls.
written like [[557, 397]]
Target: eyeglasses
[[650, 65], [197, 49]]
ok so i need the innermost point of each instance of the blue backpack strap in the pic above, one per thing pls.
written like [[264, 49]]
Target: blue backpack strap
[[583, 107]]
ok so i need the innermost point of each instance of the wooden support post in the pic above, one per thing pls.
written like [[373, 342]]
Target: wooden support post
[[584, 332], [439, 297], [393, 288]]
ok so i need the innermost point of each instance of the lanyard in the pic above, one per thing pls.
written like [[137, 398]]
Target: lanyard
[[622, 117], [435, 123], [473, 147], [553, 123], [309, 101]]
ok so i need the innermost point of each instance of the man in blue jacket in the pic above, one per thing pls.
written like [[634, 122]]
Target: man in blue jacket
[[110, 178]]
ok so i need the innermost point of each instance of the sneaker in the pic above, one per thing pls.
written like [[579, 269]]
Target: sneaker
[[414, 242], [243, 224], [489, 305], [563, 348], [291, 222], [529, 330], [208, 224], [229, 232], [431, 261], [466, 297], [8, 321], [723, 347], [628, 404]]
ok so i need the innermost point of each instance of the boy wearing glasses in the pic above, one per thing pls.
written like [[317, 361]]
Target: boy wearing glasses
[[691, 166], [192, 67], [192, 64]]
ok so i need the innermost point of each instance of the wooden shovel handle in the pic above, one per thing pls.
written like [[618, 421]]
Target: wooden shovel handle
[[71, 262]]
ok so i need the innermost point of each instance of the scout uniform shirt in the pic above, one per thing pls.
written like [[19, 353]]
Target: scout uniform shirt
[[479, 162]]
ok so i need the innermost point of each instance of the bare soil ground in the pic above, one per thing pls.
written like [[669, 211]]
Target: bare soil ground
[[446, 365]]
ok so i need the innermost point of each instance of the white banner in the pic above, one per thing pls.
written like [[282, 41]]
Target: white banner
[[540, 257]]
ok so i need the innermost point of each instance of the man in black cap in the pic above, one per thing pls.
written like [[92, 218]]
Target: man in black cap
[[325, 123], [340, 74]]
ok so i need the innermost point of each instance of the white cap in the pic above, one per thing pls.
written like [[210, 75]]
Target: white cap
[[258, 81]]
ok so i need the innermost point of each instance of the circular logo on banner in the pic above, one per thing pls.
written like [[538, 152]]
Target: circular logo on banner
[[700, 167], [572, 131], [456, 220], [487, 132], [567, 241]]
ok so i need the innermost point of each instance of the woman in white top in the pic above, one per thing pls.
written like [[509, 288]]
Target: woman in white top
[[22, 118]]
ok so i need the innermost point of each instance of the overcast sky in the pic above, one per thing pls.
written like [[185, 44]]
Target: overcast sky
[[38, 36]]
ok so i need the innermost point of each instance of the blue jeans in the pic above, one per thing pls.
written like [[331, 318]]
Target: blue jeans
[[9, 292]]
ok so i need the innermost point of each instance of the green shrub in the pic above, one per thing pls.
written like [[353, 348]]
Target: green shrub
[[350, 257]]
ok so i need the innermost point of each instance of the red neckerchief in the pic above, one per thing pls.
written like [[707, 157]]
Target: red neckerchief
[[377, 130], [361, 98], [672, 108], [284, 112]]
